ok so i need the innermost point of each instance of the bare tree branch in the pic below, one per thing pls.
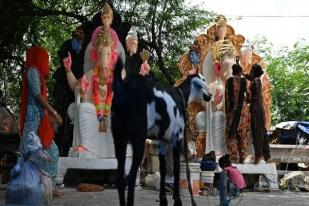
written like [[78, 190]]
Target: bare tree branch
[[44, 12], [162, 19], [160, 61], [134, 7], [157, 44], [153, 22]]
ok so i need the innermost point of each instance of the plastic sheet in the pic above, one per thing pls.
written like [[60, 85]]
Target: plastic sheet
[[29, 186], [26, 187]]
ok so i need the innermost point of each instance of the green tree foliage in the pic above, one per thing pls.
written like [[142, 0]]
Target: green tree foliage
[[165, 27], [25, 23], [289, 73], [290, 78], [13, 17]]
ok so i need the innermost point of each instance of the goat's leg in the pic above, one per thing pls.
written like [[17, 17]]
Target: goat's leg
[[138, 153], [163, 200], [176, 170], [120, 150]]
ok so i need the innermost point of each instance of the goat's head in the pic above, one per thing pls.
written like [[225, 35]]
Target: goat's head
[[195, 88]]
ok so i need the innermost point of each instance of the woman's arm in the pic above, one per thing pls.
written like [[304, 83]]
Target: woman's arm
[[44, 103], [247, 76], [34, 83]]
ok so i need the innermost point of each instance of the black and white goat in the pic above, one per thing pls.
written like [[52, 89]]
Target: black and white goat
[[141, 110]]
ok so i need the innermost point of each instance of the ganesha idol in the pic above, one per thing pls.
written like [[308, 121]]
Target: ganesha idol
[[92, 136], [220, 45], [90, 114]]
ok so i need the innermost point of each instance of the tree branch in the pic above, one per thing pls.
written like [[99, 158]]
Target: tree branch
[[43, 12], [134, 7], [153, 23], [162, 19], [148, 44], [160, 61], [11, 57], [157, 45], [162, 67]]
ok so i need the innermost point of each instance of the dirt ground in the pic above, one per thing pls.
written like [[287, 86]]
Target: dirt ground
[[149, 197]]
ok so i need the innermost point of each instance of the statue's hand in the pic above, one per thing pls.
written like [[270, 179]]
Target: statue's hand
[[67, 62], [144, 69], [218, 97], [84, 85]]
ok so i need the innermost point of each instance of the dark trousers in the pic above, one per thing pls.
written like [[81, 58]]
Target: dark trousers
[[261, 146]]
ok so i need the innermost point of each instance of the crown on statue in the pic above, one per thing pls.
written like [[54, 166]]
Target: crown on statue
[[107, 10], [220, 20], [104, 38]]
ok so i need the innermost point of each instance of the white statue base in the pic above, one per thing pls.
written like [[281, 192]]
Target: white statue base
[[267, 169], [65, 163]]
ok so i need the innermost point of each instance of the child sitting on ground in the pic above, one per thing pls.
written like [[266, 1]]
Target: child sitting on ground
[[236, 179]]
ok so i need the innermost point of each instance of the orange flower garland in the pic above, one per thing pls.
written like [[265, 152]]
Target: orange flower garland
[[102, 111]]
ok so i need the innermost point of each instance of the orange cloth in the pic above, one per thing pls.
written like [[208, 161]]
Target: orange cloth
[[37, 57]]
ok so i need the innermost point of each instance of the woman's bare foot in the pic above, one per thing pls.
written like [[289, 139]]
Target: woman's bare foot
[[257, 160], [270, 161], [267, 158], [57, 193], [249, 159], [242, 160]]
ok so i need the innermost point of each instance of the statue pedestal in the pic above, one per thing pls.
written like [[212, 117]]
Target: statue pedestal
[[267, 169], [65, 163]]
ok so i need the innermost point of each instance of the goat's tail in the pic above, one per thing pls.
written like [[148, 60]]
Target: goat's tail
[[186, 155]]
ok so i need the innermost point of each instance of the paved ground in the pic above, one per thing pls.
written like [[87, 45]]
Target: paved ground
[[148, 197]]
